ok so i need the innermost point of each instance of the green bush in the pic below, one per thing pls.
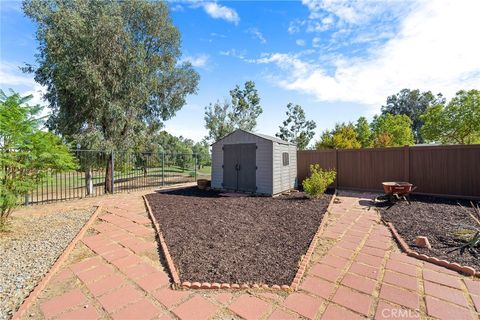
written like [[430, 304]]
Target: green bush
[[315, 185], [27, 154]]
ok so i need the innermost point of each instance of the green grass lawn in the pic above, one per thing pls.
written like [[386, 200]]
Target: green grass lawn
[[75, 179]]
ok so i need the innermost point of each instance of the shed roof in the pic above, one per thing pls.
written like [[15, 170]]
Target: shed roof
[[260, 135]]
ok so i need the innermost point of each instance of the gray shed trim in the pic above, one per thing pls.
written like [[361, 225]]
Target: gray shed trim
[[263, 136]]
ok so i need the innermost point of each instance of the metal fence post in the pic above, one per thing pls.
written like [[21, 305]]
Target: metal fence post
[[163, 169], [195, 164], [113, 171]]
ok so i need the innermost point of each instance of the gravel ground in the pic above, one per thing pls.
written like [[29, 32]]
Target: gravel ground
[[29, 250]]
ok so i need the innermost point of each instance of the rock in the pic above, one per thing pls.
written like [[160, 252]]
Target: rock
[[422, 242]]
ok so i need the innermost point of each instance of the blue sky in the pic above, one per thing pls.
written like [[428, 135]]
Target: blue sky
[[338, 59]]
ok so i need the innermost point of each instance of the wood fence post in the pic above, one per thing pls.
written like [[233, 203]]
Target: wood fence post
[[406, 162], [336, 168]]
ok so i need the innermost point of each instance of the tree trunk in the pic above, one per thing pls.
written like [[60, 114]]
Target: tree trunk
[[109, 175], [89, 182]]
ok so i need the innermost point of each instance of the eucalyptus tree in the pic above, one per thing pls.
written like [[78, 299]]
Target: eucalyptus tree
[[240, 112], [111, 69], [296, 128]]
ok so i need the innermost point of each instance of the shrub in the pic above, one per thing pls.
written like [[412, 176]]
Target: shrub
[[27, 154], [315, 185]]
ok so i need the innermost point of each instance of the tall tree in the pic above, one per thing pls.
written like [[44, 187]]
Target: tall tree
[[217, 120], [392, 130], [296, 128], [245, 106], [222, 118], [364, 134], [110, 68], [457, 122], [342, 137], [413, 104]]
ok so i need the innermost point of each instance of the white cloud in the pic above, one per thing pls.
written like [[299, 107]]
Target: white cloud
[[218, 11], [12, 76], [218, 35], [347, 11], [433, 50], [257, 35], [300, 42], [316, 42], [177, 8], [294, 26], [199, 60], [234, 53]]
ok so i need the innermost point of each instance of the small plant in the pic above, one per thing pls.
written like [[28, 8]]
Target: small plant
[[315, 185], [470, 235]]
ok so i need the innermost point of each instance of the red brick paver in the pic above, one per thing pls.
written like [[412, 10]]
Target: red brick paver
[[249, 307], [361, 275]]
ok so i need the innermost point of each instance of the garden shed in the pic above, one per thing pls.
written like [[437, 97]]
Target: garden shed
[[252, 162]]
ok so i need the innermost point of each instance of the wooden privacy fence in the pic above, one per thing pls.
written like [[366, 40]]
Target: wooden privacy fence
[[437, 170]]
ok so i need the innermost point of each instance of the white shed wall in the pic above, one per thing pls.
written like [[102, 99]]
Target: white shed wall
[[284, 177], [264, 157]]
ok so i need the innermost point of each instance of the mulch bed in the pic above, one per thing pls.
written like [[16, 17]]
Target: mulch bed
[[259, 240], [440, 220]]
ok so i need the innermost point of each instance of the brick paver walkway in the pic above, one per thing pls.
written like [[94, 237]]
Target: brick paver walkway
[[115, 272]]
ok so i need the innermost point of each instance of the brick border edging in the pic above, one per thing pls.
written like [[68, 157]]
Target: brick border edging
[[27, 303], [469, 271], [308, 255], [163, 245], [215, 285]]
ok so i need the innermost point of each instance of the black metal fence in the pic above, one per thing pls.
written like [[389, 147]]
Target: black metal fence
[[100, 172]]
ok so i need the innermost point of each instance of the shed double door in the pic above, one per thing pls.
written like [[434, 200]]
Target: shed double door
[[239, 167]]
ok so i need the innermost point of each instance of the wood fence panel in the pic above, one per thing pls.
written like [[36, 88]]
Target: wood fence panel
[[452, 170], [436, 170], [305, 158], [366, 169]]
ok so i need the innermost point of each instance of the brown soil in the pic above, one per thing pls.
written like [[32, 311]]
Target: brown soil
[[237, 239], [442, 221]]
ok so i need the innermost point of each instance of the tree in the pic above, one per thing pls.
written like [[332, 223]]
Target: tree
[[245, 107], [392, 130], [222, 118], [110, 68], [217, 120], [202, 152], [343, 136], [27, 154], [413, 104], [457, 122], [364, 135], [296, 128]]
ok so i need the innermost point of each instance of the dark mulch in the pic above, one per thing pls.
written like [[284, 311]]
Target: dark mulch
[[440, 220], [237, 240]]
